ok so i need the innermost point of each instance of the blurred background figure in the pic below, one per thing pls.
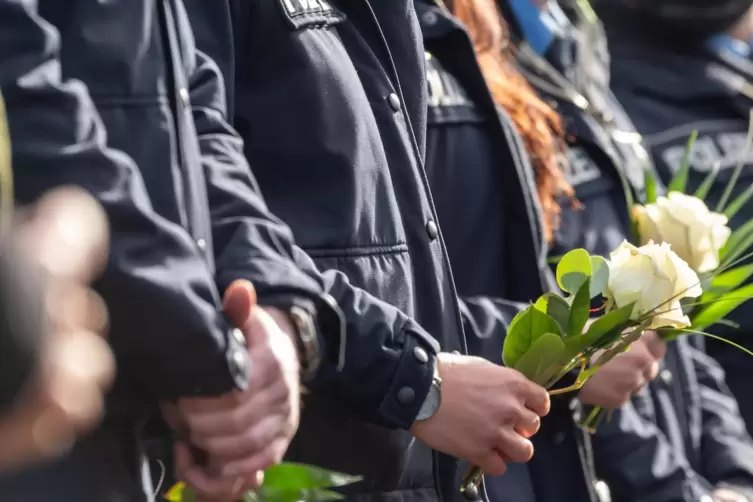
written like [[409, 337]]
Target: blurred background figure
[[54, 364], [684, 65], [497, 161]]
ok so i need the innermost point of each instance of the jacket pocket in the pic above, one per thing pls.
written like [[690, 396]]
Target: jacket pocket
[[385, 272]]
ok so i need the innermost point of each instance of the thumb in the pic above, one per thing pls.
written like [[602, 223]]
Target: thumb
[[239, 301]]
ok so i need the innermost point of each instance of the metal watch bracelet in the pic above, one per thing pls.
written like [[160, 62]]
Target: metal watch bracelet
[[309, 354]]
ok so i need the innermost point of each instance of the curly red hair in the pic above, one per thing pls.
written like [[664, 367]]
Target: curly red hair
[[539, 126]]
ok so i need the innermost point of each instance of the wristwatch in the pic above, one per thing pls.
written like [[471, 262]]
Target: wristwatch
[[307, 342], [433, 399]]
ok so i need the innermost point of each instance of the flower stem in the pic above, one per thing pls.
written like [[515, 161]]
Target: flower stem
[[472, 479]]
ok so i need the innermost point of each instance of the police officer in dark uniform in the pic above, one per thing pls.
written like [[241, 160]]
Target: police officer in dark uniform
[[330, 99], [494, 224], [684, 66], [679, 67], [567, 63], [485, 195], [186, 222]]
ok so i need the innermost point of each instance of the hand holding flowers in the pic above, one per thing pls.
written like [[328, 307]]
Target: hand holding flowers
[[642, 287]]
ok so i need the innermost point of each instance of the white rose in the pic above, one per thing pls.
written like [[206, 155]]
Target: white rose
[[695, 233], [655, 279]]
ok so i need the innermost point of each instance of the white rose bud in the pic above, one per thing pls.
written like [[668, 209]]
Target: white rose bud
[[655, 279], [695, 233]]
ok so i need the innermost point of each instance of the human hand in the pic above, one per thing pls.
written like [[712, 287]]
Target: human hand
[[615, 383], [65, 238], [487, 413], [243, 433]]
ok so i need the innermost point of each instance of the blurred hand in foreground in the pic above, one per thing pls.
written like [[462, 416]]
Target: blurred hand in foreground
[[64, 239]]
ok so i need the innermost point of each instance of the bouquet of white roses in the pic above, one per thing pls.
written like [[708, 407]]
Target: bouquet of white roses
[[643, 287], [701, 237]]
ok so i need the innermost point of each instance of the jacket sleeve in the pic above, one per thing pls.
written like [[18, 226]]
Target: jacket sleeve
[[727, 448], [380, 339], [161, 295], [638, 462], [249, 242]]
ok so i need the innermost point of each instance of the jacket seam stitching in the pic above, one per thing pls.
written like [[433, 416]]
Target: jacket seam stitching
[[356, 251]]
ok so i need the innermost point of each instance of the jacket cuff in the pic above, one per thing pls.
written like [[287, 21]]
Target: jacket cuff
[[411, 382], [228, 372]]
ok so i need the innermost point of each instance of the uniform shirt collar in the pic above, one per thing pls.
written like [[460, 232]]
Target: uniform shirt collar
[[540, 27]]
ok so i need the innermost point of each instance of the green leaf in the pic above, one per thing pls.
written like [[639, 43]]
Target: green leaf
[[543, 359], [604, 331], [272, 495], [557, 308], [650, 181], [680, 179], [292, 476], [720, 207], [286, 482], [580, 310], [737, 244], [738, 202], [721, 307], [526, 327], [715, 337], [573, 270], [599, 275], [704, 188], [726, 281]]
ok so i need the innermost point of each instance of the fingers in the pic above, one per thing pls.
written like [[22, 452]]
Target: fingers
[[208, 487], [238, 432], [72, 307], [652, 371], [67, 400], [644, 360], [83, 356], [238, 302], [248, 467], [67, 234], [514, 447], [528, 423], [654, 343], [494, 464], [238, 414], [535, 397], [254, 440]]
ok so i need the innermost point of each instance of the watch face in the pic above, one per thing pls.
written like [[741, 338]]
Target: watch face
[[431, 403]]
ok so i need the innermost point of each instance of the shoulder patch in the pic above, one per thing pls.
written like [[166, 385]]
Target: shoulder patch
[[303, 13], [444, 89]]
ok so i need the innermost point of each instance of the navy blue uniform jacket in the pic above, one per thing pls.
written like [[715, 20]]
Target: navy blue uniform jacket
[[116, 99], [330, 98]]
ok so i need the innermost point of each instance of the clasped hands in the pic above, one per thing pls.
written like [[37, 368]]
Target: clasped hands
[[241, 434]]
